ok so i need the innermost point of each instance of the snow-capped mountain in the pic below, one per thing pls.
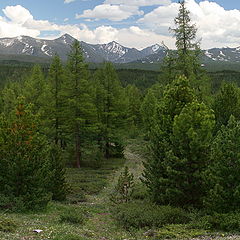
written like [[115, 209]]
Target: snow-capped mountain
[[113, 51]]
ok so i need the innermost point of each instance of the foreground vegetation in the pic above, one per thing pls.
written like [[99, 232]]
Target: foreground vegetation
[[88, 214], [180, 180]]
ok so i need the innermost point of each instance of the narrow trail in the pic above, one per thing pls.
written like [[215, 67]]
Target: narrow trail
[[135, 166], [101, 225]]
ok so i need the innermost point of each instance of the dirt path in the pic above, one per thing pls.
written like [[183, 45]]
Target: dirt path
[[101, 225]]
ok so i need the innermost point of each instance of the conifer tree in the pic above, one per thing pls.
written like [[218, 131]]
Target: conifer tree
[[226, 103], [56, 104], [34, 88], [112, 107], [24, 159], [176, 96], [191, 138], [148, 111], [222, 178], [134, 96], [179, 143], [186, 59], [80, 114]]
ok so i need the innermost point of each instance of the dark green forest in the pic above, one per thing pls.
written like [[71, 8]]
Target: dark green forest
[[156, 154]]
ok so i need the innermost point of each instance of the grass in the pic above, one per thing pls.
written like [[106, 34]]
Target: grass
[[87, 215], [69, 220]]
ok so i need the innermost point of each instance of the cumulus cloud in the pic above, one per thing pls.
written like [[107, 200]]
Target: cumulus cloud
[[111, 12], [139, 3], [17, 14], [217, 27]]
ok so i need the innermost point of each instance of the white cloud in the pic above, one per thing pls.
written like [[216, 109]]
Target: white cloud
[[17, 14], [139, 3], [217, 27], [160, 19], [111, 12], [68, 1], [141, 38]]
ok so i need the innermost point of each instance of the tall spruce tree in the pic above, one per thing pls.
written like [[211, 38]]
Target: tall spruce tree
[[80, 114]]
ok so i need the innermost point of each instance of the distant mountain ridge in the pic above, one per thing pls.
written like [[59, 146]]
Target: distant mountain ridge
[[97, 53]]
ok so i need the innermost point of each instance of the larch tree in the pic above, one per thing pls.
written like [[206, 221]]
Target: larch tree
[[112, 107], [186, 60], [54, 108], [80, 114]]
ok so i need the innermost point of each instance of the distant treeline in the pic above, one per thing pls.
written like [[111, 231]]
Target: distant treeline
[[143, 79]]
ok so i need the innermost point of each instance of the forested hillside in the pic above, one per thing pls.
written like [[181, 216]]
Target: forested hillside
[[104, 153]]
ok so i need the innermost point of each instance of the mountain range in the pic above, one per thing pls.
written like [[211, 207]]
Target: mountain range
[[25, 46]]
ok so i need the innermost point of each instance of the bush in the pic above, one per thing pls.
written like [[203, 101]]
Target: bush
[[7, 225], [124, 188], [72, 216], [229, 222], [142, 214], [139, 191]]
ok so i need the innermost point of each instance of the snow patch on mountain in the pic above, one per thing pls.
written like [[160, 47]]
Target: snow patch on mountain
[[44, 50], [155, 47], [7, 42]]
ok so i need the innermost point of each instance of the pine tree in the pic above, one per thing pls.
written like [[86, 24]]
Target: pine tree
[[24, 159], [222, 177], [176, 96], [80, 114], [226, 103], [191, 138], [179, 143]]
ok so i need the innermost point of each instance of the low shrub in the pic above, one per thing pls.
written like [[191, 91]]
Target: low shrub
[[7, 225], [229, 222], [178, 231], [72, 216], [141, 214]]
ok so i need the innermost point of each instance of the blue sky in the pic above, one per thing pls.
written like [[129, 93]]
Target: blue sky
[[133, 23]]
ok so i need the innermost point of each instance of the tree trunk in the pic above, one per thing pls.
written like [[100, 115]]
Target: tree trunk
[[78, 151], [107, 150]]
